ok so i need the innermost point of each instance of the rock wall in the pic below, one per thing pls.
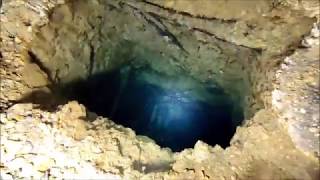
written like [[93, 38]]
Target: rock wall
[[113, 36], [258, 51], [86, 38]]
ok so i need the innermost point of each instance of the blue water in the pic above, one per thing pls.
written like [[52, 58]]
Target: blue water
[[173, 118]]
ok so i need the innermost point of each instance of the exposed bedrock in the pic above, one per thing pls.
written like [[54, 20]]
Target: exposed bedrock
[[264, 55]]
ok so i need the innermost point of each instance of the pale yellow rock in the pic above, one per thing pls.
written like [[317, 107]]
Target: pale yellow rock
[[202, 151], [232, 29], [42, 163], [33, 76], [17, 40], [16, 117], [70, 116], [72, 110]]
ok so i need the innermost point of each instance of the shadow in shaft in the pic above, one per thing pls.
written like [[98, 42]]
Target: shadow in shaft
[[174, 118]]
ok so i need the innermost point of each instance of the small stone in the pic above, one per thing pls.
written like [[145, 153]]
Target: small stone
[[42, 163], [96, 150], [66, 142], [98, 122], [315, 32], [303, 111], [20, 109], [45, 128], [17, 40], [284, 66], [201, 150], [3, 119], [80, 133], [306, 43], [144, 168], [72, 110], [29, 29]]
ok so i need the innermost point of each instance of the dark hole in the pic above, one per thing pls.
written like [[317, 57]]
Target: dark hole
[[175, 117]]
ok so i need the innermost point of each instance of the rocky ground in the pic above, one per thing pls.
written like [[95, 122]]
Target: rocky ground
[[38, 144], [71, 143], [279, 142], [32, 146]]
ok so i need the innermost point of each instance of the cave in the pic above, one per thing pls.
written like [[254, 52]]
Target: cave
[[176, 112], [159, 89], [174, 88], [171, 81]]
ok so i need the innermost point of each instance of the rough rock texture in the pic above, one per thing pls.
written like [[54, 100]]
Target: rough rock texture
[[40, 144], [270, 49], [32, 146], [296, 95], [119, 32], [73, 143]]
